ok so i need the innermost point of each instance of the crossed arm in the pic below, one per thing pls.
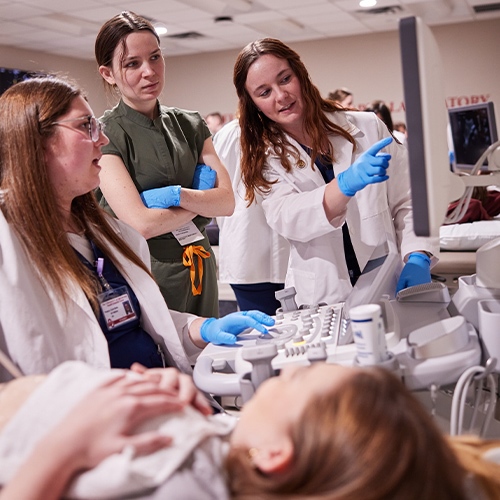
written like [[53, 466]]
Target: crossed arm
[[123, 197]]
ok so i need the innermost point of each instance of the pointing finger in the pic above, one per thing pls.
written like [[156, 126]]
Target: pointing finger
[[373, 150]]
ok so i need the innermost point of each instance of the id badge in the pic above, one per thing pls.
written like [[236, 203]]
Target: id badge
[[187, 234], [116, 307]]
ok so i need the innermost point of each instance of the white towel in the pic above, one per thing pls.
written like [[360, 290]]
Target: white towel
[[120, 474]]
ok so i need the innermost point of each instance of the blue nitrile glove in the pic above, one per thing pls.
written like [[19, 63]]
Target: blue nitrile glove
[[226, 329], [165, 197], [417, 271], [204, 177], [369, 168]]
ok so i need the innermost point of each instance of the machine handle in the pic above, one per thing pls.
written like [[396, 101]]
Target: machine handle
[[221, 384]]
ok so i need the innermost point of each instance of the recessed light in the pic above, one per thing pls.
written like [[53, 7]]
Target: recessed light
[[367, 3], [160, 29]]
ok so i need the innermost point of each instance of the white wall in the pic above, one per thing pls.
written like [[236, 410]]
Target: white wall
[[369, 65]]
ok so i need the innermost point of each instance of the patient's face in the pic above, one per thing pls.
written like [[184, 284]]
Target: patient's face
[[280, 401]]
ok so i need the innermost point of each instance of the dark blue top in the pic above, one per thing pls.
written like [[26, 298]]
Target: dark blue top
[[127, 343]]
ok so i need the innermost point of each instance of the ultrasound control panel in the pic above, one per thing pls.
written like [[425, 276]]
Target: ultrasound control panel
[[322, 333], [295, 331]]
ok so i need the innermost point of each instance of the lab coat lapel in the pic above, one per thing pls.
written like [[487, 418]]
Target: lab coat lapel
[[301, 169], [343, 150], [156, 318], [345, 155]]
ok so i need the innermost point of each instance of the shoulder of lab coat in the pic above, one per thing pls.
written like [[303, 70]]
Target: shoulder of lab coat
[[245, 236], [227, 145]]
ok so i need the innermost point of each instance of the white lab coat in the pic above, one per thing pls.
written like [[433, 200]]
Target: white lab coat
[[38, 332], [294, 208], [249, 250]]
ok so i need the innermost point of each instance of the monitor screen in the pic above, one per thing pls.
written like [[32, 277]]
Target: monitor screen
[[433, 185], [9, 77], [473, 130]]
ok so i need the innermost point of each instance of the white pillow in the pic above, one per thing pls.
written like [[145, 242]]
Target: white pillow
[[469, 236]]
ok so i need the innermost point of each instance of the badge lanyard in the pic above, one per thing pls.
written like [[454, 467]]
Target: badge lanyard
[[116, 304]]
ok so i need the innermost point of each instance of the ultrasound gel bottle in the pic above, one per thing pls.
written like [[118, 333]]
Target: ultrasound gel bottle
[[367, 324]]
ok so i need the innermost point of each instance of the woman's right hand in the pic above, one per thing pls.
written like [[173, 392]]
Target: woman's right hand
[[204, 177], [369, 168]]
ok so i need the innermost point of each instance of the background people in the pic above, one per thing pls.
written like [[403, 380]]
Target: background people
[[214, 121], [252, 257], [342, 96], [68, 269], [305, 434], [401, 127], [381, 109], [150, 177], [312, 162]]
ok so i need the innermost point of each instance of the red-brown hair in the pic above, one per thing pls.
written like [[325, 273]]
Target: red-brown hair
[[259, 133]]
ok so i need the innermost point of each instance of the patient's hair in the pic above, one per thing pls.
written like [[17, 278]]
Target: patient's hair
[[28, 201], [369, 439]]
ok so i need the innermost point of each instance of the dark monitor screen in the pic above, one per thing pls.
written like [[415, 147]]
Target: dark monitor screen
[[9, 77], [473, 130]]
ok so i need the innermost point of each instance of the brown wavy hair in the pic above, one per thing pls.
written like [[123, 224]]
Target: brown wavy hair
[[113, 33], [27, 198], [259, 133], [368, 439]]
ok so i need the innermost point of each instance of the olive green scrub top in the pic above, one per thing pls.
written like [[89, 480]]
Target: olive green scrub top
[[158, 153]]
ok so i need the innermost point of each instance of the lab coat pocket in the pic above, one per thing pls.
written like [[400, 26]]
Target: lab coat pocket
[[372, 201]]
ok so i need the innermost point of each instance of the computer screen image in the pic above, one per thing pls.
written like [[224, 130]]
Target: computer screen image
[[473, 130], [10, 76]]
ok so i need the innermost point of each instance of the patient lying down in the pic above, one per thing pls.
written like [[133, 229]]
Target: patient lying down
[[323, 431]]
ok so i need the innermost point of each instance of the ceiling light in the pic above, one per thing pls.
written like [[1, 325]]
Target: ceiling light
[[223, 20], [160, 29], [367, 3]]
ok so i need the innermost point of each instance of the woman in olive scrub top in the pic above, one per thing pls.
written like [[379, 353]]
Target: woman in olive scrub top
[[161, 174]]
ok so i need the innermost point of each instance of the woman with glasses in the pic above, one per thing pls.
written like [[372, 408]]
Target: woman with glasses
[[74, 282], [161, 173]]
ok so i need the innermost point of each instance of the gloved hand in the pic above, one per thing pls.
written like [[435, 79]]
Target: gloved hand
[[164, 197], [204, 177], [369, 168], [226, 329], [417, 271]]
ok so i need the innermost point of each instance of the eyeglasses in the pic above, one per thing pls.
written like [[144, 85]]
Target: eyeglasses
[[94, 126]]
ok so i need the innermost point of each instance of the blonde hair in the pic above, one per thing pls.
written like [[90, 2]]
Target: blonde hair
[[370, 439], [28, 201]]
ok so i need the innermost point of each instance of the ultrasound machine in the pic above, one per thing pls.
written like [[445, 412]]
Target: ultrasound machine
[[431, 340]]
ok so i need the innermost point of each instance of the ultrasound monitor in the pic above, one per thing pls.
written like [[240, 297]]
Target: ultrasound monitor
[[473, 130]]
